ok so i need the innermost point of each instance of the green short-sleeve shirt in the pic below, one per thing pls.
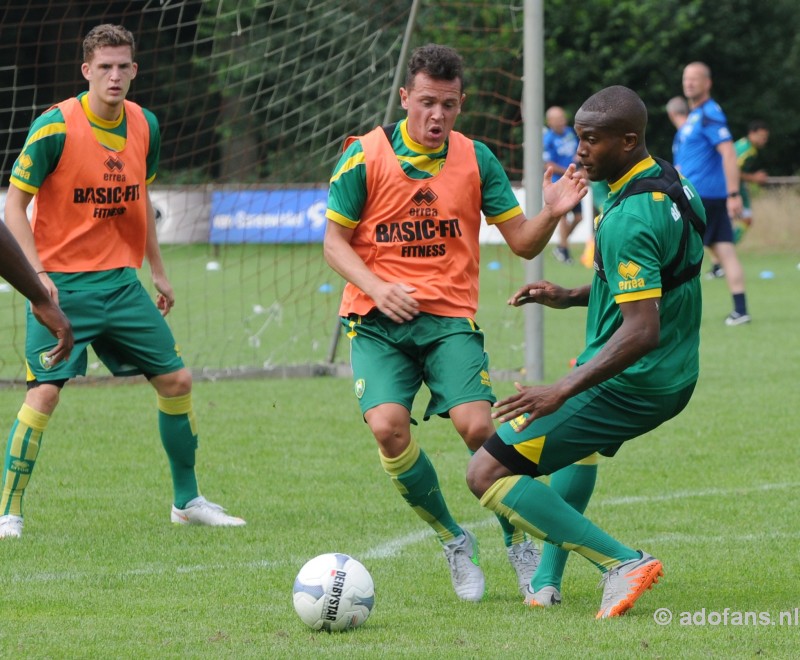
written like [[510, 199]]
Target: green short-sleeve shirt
[[636, 239]]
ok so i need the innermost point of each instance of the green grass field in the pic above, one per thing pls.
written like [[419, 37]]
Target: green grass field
[[101, 573]]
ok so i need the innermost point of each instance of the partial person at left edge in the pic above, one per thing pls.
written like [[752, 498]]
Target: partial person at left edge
[[87, 163], [18, 272]]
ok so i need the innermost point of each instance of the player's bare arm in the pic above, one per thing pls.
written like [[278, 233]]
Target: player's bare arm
[[635, 338], [730, 167], [550, 295], [527, 238], [760, 177], [16, 216], [16, 269], [165, 298], [49, 314], [392, 298]]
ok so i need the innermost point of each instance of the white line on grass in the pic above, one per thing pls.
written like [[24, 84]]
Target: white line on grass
[[394, 547], [700, 539], [684, 494]]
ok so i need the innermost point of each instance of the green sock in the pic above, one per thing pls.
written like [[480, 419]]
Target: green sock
[[178, 428], [511, 534], [575, 484], [21, 452], [541, 512], [414, 476]]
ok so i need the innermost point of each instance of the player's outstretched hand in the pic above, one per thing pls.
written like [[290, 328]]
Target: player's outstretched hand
[[536, 401], [49, 314], [566, 193], [395, 300], [542, 292]]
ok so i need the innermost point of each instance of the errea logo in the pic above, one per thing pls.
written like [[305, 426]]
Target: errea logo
[[20, 466], [629, 270], [517, 422], [114, 164], [424, 196], [629, 273], [23, 167]]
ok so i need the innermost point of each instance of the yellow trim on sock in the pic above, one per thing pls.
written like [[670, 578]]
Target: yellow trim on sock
[[36, 422], [23, 448], [493, 497], [179, 405], [33, 418], [402, 463], [175, 405], [394, 467], [592, 555], [493, 500], [594, 459]]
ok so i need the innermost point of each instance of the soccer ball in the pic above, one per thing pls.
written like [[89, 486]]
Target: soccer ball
[[333, 592]]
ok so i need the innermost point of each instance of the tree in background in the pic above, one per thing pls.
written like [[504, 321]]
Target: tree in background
[[752, 49], [265, 90]]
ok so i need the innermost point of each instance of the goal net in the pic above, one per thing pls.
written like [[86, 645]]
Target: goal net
[[254, 99]]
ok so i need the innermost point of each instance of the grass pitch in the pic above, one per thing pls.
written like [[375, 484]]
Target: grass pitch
[[101, 573]]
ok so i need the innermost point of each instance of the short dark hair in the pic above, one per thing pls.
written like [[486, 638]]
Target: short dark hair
[[107, 35], [624, 109], [757, 125], [439, 62]]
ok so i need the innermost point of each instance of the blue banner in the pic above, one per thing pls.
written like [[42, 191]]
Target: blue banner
[[268, 216]]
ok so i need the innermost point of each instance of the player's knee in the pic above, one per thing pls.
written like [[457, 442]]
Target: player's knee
[[392, 438], [474, 429], [494, 461], [44, 397], [476, 434], [177, 383], [479, 474]]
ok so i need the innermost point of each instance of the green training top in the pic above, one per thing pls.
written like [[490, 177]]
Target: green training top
[[638, 238]]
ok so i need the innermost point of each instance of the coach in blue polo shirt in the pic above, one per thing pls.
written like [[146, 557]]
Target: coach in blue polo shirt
[[706, 156]]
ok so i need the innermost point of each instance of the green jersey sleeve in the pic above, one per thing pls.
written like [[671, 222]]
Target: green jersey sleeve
[[499, 202], [347, 192]]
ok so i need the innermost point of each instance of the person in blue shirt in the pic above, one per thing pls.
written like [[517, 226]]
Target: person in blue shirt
[[560, 144], [706, 156], [678, 112]]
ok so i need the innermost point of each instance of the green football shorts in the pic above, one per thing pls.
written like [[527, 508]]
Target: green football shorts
[[597, 420], [122, 325], [391, 360]]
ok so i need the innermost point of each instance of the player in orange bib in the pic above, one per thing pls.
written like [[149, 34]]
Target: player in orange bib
[[404, 211], [87, 163]]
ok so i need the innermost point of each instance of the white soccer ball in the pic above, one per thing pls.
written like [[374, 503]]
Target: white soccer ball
[[333, 592]]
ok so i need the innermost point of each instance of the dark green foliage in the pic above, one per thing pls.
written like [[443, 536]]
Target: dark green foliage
[[752, 49], [265, 90]]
